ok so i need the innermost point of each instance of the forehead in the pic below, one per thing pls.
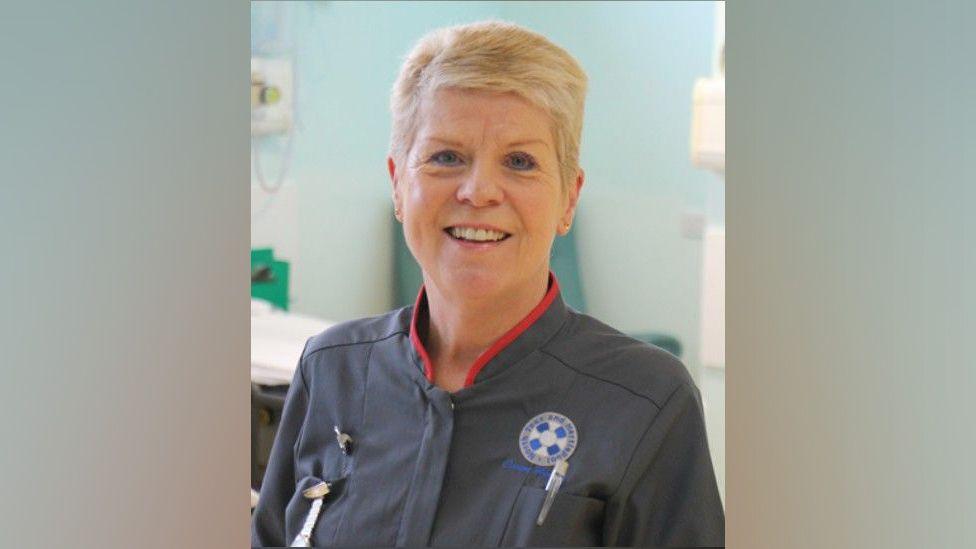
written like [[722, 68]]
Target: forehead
[[474, 116]]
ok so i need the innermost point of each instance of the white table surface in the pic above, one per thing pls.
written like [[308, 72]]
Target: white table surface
[[277, 340]]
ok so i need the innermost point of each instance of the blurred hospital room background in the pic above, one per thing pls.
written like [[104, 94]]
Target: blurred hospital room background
[[646, 254]]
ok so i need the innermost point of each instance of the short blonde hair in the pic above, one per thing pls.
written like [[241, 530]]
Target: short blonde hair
[[499, 57]]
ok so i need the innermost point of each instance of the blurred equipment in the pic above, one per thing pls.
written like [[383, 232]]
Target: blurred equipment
[[708, 106], [271, 95], [266, 406], [272, 115], [708, 124]]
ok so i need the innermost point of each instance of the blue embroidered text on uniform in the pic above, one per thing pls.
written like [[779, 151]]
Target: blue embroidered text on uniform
[[541, 472]]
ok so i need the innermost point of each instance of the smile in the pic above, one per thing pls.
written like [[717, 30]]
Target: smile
[[472, 234]]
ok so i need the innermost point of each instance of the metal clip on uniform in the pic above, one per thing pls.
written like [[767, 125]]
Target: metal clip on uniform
[[552, 486], [344, 440], [316, 493]]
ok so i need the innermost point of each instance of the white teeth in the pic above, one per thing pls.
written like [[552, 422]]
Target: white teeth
[[477, 235]]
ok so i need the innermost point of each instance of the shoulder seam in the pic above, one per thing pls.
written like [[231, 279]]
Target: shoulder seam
[[614, 383], [352, 343], [640, 441], [301, 368]]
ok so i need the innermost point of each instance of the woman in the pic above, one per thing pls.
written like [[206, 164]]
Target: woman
[[488, 413]]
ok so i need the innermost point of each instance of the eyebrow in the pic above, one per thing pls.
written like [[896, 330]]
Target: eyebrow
[[458, 144], [528, 142], [445, 141]]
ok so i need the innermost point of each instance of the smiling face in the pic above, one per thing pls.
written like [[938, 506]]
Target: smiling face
[[480, 196]]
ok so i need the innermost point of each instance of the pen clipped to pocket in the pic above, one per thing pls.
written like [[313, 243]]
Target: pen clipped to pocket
[[552, 487], [308, 511], [315, 493]]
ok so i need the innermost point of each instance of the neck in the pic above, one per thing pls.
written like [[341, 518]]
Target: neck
[[462, 327]]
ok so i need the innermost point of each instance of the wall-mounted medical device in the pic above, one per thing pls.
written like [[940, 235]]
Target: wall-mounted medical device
[[708, 106], [708, 124], [272, 92]]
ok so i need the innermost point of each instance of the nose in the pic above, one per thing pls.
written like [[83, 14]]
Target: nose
[[479, 186]]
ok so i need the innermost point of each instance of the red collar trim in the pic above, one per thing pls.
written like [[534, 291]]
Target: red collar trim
[[496, 348], [415, 337]]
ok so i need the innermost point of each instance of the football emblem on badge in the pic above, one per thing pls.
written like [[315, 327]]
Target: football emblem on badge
[[548, 438]]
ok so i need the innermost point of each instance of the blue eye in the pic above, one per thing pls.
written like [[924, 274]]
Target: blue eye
[[521, 161], [446, 158]]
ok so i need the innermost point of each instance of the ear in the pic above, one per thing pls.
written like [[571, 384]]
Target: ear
[[566, 220], [391, 167]]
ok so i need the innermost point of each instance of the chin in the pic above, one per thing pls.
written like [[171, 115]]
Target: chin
[[476, 282]]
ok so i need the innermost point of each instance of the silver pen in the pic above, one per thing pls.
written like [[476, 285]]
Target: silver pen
[[552, 486], [316, 493]]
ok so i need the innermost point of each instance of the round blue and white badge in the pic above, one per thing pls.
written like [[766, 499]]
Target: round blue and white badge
[[548, 438]]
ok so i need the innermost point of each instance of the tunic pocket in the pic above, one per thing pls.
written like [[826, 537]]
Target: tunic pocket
[[572, 520], [318, 455], [297, 511]]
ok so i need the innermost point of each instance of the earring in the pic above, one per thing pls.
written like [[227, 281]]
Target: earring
[[396, 213]]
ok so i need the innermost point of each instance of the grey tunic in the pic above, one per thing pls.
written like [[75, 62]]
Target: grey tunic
[[428, 467]]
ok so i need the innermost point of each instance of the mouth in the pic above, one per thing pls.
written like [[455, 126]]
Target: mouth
[[476, 235]]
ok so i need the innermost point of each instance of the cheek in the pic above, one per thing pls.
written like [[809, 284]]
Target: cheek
[[425, 194], [423, 203], [540, 216], [421, 240]]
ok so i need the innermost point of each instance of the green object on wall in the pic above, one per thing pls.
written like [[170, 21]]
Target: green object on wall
[[269, 278]]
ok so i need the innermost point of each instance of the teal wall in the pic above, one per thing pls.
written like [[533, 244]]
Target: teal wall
[[640, 272]]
